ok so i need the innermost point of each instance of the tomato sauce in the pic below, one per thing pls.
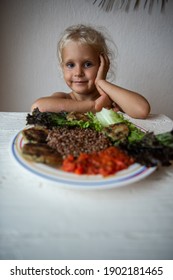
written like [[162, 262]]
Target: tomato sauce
[[105, 162]]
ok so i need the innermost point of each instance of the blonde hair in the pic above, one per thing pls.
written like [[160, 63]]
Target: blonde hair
[[87, 35]]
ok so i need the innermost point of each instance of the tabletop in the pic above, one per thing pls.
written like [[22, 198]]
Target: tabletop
[[40, 219]]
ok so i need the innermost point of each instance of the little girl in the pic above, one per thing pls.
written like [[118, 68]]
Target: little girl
[[84, 58]]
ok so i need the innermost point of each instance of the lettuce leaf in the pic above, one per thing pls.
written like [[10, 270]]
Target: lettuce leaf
[[166, 138], [107, 117], [51, 119]]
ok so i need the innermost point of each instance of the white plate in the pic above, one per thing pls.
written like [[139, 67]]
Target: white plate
[[134, 173]]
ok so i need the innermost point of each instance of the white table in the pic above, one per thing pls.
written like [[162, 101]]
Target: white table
[[42, 220]]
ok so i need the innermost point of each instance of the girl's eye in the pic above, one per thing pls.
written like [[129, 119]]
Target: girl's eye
[[88, 64], [70, 65]]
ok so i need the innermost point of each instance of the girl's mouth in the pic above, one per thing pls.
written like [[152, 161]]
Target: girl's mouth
[[80, 82]]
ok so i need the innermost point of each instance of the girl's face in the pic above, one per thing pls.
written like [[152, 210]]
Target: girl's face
[[80, 64]]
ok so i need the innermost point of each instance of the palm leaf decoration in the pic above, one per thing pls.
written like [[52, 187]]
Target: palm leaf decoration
[[109, 5]]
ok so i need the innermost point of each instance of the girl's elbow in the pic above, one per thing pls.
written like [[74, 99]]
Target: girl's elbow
[[141, 111], [144, 111], [38, 104]]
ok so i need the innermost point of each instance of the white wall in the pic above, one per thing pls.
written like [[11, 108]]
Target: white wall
[[29, 34]]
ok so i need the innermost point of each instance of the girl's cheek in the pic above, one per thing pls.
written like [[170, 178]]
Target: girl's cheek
[[66, 75]]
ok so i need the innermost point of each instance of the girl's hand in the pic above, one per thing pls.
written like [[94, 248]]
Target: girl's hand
[[103, 101], [103, 69]]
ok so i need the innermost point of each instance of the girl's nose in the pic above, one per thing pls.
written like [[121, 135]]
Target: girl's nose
[[78, 71]]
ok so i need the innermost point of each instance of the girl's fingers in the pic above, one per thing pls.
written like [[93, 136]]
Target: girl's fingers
[[105, 60], [104, 66]]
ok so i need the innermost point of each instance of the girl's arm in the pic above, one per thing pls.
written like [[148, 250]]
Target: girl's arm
[[132, 103], [59, 102]]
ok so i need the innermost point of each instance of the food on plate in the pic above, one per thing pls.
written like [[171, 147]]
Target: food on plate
[[97, 121], [77, 116], [42, 153], [36, 148], [151, 150], [117, 131], [81, 141], [106, 162], [36, 134], [51, 119], [76, 140]]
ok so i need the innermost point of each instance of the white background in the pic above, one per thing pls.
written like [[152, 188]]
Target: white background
[[29, 31]]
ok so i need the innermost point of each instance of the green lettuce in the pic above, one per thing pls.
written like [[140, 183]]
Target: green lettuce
[[51, 119]]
